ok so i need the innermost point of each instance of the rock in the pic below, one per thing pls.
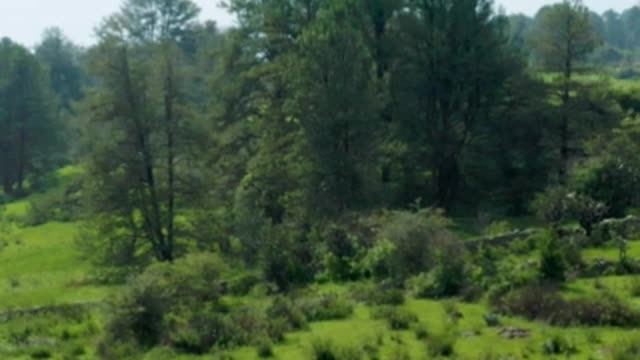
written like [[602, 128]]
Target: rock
[[469, 334], [511, 332]]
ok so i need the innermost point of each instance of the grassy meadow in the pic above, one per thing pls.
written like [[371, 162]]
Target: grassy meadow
[[42, 268]]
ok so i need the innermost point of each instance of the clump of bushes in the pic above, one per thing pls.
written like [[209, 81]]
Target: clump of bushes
[[398, 318], [441, 345], [264, 348], [180, 305], [326, 307], [546, 304], [289, 312], [323, 349], [559, 345], [379, 294], [627, 349], [413, 240], [60, 205]]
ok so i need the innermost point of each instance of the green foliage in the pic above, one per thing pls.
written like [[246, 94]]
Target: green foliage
[[556, 49], [418, 239], [498, 228], [552, 206], [265, 348], [326, 307], [287, 257], [546, 304], [613, 177], [559, 345], [164, 301], [441, 345], [323, 349], [589, 212], [397, 318], [553, 260], [379, 294], [31, 132], [625, 349], [289, 311]]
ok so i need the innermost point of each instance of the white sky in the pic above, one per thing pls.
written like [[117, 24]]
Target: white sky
[[25, 20]]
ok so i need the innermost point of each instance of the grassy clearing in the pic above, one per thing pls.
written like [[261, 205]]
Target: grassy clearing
[[41, 267]]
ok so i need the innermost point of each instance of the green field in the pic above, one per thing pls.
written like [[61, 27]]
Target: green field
[[41, 267]]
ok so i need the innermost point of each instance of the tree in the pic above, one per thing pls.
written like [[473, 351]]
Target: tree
[[563, 36], [614, 29], [449, 68], [138, 121], [63, 64], [631, 21], [335, 101], [29, 141]]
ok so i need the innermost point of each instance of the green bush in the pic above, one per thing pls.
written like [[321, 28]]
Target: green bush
[[559, 345], [326, 307], [547, 304], [626, 349], [441, 345], [264, 348], [421, 331], [416, 239], [41, 354], [323, 349], [170, 301], [287, 256], [588, 212], [553, 263], [289, 311], [610, 182], [553, 205], [379, 294], [398, 318], [498, 228]]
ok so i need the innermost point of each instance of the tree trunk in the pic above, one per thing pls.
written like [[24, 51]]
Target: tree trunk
[[170, 129], [564, 126], [447, 182]]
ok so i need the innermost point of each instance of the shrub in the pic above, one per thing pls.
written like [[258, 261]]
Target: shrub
[[166, 300], [323, 349], [397, 318], [416, 238], [265, 348], [492, 319], [498, 228], [546, 304], [379, 294], [587, 211], [343, 252], [553, 264], [610, 182], [634, 286], [290, 312], [552, 206], [558, 345], [421, 331], [41, 354], [441, 345], [287, 256], [326, 307], [628, 349], [242, 284]]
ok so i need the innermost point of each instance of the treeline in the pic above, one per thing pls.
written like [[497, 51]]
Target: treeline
[[258, 140], [617, 32], [36, 92]]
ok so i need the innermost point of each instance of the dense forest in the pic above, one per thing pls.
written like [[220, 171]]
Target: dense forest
[[321, 160]]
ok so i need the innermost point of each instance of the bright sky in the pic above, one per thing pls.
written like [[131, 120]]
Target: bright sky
[[25, 20]]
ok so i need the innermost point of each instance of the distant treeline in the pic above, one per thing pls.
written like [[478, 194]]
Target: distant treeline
[[618, 33]]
